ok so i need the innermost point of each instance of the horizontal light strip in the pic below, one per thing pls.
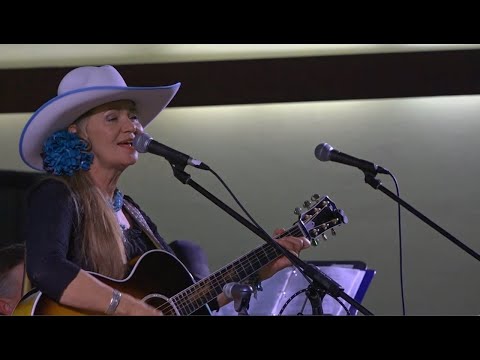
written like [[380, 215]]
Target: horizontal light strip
[[59, 55]]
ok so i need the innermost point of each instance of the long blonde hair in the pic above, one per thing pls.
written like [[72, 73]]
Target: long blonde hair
[[99, 238], [98, 235]]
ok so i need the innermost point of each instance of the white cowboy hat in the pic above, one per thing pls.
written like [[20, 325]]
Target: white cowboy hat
[[81, 90]]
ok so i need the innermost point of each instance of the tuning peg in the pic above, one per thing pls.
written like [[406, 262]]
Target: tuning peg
[[324, 237], [307, 203], [297, 211], [315, 197], [334, 233], [315, 242]]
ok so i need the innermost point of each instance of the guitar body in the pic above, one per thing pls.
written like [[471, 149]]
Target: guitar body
[[155, 277]]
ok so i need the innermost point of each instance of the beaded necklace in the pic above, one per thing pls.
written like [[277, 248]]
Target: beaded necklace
[[117, 201]]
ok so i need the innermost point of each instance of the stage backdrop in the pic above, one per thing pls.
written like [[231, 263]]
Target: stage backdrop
[[265, 153], [13, 187]]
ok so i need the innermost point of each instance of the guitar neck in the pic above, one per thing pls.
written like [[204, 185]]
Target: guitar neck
[[205, 290]]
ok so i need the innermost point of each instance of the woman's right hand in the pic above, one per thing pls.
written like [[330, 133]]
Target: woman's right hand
[[132, 306]]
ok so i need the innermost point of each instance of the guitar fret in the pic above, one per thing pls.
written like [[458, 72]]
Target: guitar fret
[[190, 308], [197, 304], [207, 289], [241, 271]]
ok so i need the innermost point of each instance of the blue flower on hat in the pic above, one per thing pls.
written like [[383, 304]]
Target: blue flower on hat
[[65, 152]]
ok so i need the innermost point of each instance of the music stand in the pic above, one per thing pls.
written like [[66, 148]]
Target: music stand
[[353, 276]]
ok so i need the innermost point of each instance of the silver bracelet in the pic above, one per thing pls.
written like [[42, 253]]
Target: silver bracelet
[[114, 301]]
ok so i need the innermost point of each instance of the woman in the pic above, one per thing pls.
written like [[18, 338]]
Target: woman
[[79, 223]]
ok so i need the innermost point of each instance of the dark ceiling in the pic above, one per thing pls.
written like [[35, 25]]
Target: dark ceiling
[[319, 78]]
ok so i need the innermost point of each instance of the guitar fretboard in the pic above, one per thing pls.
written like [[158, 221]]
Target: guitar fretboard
[[205, 290]]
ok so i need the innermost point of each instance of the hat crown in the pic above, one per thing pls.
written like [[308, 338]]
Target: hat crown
[[90, 76]]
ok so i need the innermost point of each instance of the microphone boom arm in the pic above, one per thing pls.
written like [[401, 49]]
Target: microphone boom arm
[[377, 185]]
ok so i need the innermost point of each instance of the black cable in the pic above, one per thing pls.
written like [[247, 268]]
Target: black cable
[[399, 244], [344, 307], [251, 218], [289, 300]]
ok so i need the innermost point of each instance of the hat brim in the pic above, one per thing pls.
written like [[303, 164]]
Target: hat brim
[[63, 110]]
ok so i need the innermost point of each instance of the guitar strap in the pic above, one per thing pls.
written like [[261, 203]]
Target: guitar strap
[[140, 220]]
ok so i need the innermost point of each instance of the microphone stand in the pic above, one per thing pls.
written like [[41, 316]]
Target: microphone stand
[[316, 297], [320, 281], [377, 185]]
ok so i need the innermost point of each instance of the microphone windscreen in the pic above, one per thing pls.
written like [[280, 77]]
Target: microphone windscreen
[[141, 141], [322, 152]]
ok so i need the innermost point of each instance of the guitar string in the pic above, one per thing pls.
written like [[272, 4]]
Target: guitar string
[[232, 274], [185, 299]]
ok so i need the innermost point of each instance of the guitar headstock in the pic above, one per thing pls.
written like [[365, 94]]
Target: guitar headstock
[[319, 215]]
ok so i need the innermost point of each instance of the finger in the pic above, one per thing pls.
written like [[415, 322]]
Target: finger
[[306, 243], [279, 231], [300, 243]]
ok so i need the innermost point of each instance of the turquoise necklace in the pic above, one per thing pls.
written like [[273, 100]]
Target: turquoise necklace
[[117, 201]]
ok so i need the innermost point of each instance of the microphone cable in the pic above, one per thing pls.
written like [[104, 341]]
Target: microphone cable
[[325, 152], [253, 220], [402, 296], [289, 300]]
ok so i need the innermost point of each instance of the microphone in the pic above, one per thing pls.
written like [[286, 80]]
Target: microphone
[[240, 294], [325, 152], [236, 290], [144, 143]]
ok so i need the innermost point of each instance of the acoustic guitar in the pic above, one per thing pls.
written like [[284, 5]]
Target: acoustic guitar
[[162, 281]]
